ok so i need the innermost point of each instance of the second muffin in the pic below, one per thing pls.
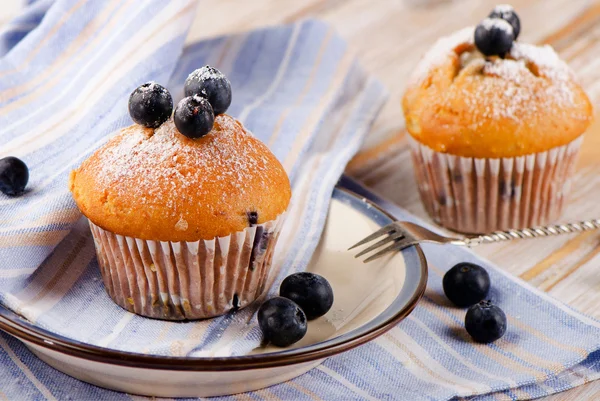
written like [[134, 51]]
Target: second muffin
[[494, 139]]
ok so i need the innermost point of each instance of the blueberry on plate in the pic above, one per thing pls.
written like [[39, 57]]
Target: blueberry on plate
[[494, 37], [466, 284], [310, 291], [282, 322], [14, 175], [507, 13], [485, 322], [194, 116], [150, 105], [210, 83]]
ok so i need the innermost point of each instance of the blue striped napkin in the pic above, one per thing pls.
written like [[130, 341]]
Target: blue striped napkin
[[63, 91]]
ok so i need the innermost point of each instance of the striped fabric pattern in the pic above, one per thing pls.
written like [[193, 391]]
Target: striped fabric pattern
[[63, 92]]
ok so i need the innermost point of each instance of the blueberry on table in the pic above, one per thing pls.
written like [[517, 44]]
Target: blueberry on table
[[466, 284], [14, 176], [485, 322], [494, 37], [194, 116], [281, 321], [507, 13], [310, 291], [150, 105], [211, 84]]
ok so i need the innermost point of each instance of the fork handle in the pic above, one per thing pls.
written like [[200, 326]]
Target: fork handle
[[534, 232]]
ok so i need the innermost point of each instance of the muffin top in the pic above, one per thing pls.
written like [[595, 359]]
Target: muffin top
[[460, 102], [156, 184]]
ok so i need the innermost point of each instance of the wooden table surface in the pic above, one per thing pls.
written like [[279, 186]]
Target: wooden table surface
[[389, 36]]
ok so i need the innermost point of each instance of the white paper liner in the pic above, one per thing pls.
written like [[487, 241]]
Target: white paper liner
[[186, 280], [472, 195]]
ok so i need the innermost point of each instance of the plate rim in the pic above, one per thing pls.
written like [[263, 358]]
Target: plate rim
[[30, 334]]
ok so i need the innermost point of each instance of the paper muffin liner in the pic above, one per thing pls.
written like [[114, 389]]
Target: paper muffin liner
[[186, 280], [473, 195]]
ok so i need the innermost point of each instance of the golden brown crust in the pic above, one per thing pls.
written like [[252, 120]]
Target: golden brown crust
[[462, 104], [160, 185]]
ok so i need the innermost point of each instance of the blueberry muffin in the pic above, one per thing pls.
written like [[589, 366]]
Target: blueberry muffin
[[185, 211], [495, 126]]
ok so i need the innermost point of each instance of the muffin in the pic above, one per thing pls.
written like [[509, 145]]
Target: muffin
[[184, 226], [495, 126]]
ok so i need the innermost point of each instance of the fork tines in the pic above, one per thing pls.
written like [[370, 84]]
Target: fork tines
[[393, 236]]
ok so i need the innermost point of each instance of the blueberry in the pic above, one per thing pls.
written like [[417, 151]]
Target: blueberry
[[14, 175], [485, 322], [210, 83], [150, 105], [310, 291], [507, 13], [494, 37], [282, 321], [252, 217], [194, 116], [466, 284]]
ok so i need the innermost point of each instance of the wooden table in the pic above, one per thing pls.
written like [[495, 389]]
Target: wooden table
[[389, 37]]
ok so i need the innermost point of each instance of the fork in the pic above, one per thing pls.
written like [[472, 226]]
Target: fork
[[402, 234]]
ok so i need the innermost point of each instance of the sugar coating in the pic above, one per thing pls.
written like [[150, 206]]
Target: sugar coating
[[545, 58], [145, 98], [204, 74], [441, 51], [524, 94], [497, 23], [535, 78], [503, 8], [162, 164]]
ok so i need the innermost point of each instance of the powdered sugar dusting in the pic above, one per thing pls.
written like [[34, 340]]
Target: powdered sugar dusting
[[205, 73], [529, 80], [515, 97], [440, 52], [519, 91], [201, 75], [167, 167], [544, 58], [503, 8], [511, 70], [497, 23]]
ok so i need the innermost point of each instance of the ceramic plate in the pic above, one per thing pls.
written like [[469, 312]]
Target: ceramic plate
[[369, 300]]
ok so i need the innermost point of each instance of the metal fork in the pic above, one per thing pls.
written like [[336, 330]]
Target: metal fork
[[402, 234]]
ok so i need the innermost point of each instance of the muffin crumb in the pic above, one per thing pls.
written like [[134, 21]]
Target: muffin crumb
[[181, 225]]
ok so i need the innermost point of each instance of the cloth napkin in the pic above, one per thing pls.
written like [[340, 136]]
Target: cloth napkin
[[64, 87]]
